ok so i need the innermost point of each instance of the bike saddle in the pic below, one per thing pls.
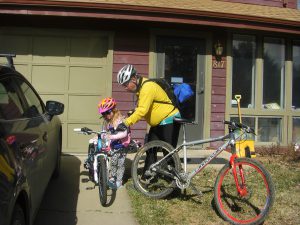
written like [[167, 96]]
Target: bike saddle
[[183, 120]]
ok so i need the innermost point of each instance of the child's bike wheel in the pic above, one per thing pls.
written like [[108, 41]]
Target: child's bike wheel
[[154, 184], [102, 178], [254, 204]]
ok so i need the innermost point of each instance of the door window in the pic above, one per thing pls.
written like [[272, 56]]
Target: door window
[[178, 61]]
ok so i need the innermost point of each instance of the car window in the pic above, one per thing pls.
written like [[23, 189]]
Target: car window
[[35, 105], [10, 104]]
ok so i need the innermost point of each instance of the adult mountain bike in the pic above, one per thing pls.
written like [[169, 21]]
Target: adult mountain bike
[[243, 191]]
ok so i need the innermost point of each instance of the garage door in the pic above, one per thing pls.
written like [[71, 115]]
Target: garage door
[[73, 67]]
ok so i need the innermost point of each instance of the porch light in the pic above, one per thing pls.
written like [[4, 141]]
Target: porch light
[[218, 49]]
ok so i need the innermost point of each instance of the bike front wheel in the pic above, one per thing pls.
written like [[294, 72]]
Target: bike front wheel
[[153, 183], [102, 179], [254, 203]]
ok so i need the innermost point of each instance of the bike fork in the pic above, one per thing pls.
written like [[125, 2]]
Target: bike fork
[[241, 188]]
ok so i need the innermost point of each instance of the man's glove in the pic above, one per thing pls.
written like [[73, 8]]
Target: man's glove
[[121, 127]]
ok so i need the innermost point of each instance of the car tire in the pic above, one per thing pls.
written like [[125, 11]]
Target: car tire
[[56, 171], [18, 217]]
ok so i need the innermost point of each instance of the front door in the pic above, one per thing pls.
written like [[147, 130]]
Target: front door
[[182, 59]]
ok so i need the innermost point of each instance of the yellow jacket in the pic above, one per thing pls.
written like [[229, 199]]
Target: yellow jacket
[[148, 107]]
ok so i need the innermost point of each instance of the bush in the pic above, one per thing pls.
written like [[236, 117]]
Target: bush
[[289, 153]]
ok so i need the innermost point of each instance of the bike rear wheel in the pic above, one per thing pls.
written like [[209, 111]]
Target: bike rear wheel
[[254, 206], [102, 179], [151, 183]]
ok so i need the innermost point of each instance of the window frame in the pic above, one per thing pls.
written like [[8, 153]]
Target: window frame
[[286, 113]]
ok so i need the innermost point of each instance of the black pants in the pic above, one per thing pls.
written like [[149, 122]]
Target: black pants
[[168, 133]]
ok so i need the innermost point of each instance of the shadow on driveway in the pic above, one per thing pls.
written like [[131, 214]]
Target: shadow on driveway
[[60, 200]]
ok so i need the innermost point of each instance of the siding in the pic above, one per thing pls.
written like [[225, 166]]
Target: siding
[[130, 48], [218, 101]]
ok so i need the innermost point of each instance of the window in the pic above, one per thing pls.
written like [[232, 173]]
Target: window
[[269, 130], [273, 73], [266, 72], [296, 130], [296, 75], [35, 106], [10, 104], [243, 69]]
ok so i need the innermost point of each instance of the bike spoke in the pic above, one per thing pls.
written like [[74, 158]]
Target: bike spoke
[[155, 181]]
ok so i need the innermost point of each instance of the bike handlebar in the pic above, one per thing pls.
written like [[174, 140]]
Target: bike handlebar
[[88, 131], [235, 125]]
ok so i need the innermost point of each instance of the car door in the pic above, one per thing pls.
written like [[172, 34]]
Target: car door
[[38, 122], [23, 135]]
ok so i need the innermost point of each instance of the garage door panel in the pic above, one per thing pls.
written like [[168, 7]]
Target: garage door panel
[[78, 142], [94, 80], [49, 78], [50, 49], [83, 108], [19, 45], [93, 51], [25, 70]]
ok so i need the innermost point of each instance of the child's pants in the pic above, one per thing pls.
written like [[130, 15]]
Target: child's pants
[[118, 165]]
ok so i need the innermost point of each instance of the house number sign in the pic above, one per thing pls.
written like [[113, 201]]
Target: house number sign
[[216, 64]]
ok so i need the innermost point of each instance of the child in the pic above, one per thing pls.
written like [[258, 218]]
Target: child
[[119, 139]]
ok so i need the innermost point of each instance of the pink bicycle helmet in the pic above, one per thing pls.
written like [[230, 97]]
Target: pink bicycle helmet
[[106, 104]]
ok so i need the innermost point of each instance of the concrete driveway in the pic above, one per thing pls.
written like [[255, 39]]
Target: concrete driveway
[[72, 199]]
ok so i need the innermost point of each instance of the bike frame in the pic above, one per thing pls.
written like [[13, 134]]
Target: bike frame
[[229, 139]]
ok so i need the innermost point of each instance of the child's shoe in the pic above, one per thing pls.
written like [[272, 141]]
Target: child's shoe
[[119, 184], [111, 183]]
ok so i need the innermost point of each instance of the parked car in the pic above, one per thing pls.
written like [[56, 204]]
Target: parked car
[[30, 146]]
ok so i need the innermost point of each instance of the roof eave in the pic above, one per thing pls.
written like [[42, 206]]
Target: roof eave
[[134, 12]]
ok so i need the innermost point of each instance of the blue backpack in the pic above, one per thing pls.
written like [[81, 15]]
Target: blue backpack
[[181, 95]]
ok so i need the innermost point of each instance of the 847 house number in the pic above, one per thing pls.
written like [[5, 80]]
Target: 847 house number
[[218, 64]]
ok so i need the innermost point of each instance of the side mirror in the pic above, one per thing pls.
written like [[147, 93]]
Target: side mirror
[[54, 108]]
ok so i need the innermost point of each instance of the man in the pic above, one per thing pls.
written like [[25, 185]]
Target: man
[[154, 106]]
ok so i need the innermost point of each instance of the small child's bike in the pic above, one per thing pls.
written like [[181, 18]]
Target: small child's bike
[[99, 159]]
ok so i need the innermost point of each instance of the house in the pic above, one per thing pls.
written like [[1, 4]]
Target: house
[[71, 51]]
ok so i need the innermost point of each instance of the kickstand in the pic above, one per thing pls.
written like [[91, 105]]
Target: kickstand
[[195, 190]]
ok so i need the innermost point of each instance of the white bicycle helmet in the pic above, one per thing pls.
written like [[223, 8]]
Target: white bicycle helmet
[[125, 73]]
